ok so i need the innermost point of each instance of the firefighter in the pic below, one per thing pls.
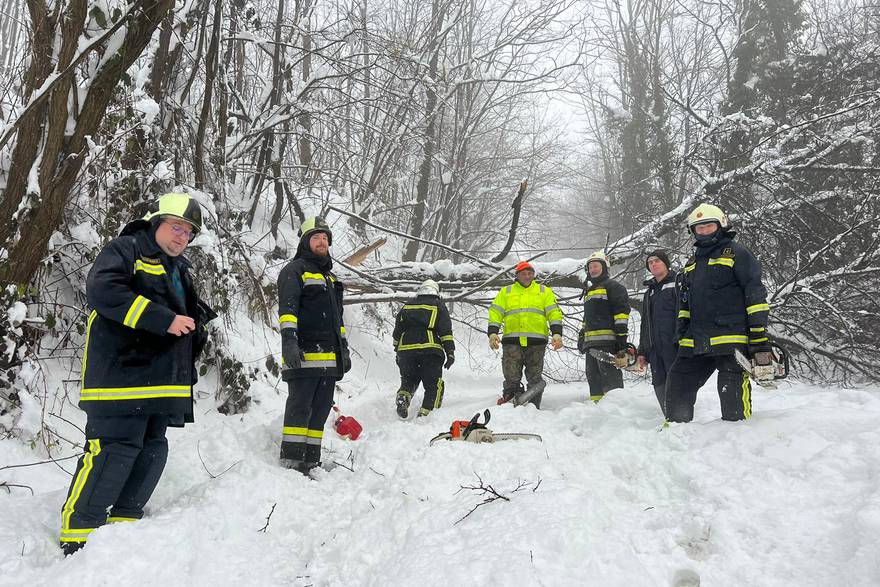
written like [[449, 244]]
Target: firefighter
[[314, 348], [657, 333], [605, 326], [146, 329], [526, 312], [723, 308], [424, 345]]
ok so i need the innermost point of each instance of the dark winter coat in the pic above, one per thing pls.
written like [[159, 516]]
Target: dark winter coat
[[657, 334], [606, 314], [310, 312], [723, 302], [131, 365], [423, 327]]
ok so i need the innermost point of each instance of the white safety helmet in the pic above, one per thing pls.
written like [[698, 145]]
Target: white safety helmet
[[707, 213], [598, 256], [429, 287]]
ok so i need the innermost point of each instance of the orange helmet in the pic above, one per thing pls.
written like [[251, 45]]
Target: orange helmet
[[523, 265]]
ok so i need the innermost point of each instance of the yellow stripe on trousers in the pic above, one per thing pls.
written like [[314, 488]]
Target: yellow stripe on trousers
[[76, 489], [747, 396]]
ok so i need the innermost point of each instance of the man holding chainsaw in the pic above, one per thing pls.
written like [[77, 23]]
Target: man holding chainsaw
[[605, 328], [723, 310], [526, 312]]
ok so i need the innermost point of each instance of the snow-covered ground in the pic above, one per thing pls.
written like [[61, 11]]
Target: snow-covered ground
[[791, 497]]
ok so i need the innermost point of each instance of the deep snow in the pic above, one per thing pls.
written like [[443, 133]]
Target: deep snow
[[791, 497]]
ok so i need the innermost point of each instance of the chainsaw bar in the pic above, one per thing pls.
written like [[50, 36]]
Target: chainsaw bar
[[606, 357], [492, 437]]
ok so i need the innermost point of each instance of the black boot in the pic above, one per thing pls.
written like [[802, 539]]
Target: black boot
[[68, 548], [403, 399]]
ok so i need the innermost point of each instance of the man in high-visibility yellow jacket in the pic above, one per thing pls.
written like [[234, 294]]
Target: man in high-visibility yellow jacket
[[527, 314]]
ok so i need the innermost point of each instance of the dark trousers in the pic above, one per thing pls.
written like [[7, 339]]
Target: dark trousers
[[426, 369], [309, 400], [689, 374], [660, 365], [123, 461], [514, 360], [602, 377]]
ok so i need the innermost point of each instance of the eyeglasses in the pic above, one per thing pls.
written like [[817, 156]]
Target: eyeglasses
[[179, 230]]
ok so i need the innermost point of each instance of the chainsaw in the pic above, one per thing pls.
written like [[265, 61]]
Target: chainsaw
[[475, 431], [766, 366], [628, 360]]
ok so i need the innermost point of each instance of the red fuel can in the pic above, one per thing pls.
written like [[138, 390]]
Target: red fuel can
[[348, 426]]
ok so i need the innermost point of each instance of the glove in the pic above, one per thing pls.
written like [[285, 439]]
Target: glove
[[290, 352], [621, 359], [556, 342], [346, 357], [494, 341], [582, 343], [450, 359]]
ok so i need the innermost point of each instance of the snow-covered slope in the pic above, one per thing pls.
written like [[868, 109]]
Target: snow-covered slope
[[791, 497]]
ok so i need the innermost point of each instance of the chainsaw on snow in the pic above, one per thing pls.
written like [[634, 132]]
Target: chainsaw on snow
[[627, 360], [475, 431], [766, 366]]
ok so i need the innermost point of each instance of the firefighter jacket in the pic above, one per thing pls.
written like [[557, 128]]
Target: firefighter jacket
[[606, 314], [423, 326], [524, 314], [723, 302], [658, 331], [131, 364], [310, 315]]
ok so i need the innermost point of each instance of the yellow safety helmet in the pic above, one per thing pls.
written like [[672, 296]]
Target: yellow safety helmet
[[181, 206], [598, 256], [313, 225], [707, 213]]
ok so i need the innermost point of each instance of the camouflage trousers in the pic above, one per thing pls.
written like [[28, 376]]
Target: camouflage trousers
[[515, 359]]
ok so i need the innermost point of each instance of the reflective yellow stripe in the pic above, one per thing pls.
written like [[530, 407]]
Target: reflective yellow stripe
[[621, 316], [67, 533], [757, 329], [342, 330], [416, 346], [757, 340], [306, 276], [684, 313], [599, 332], [747, 396], [758, 308], [137, 308], [129, 393], [448, 337], [319, 356], [688, 342], [722, 261], [432, 309], [315, 433], [148, 268], [689, 268], [288, 318], [597, 292], [295, 431], [729, 339], [116, 519]]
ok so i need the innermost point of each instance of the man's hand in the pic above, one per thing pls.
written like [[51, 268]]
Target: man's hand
[[643, 362], [494, 342], [450, 359], [556, 342], [182, 325]]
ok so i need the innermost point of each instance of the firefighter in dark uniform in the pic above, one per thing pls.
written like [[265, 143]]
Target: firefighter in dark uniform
[[314, 348], [605, 326], [723, 308], [145, 331], [658, 343], [423, 340]]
